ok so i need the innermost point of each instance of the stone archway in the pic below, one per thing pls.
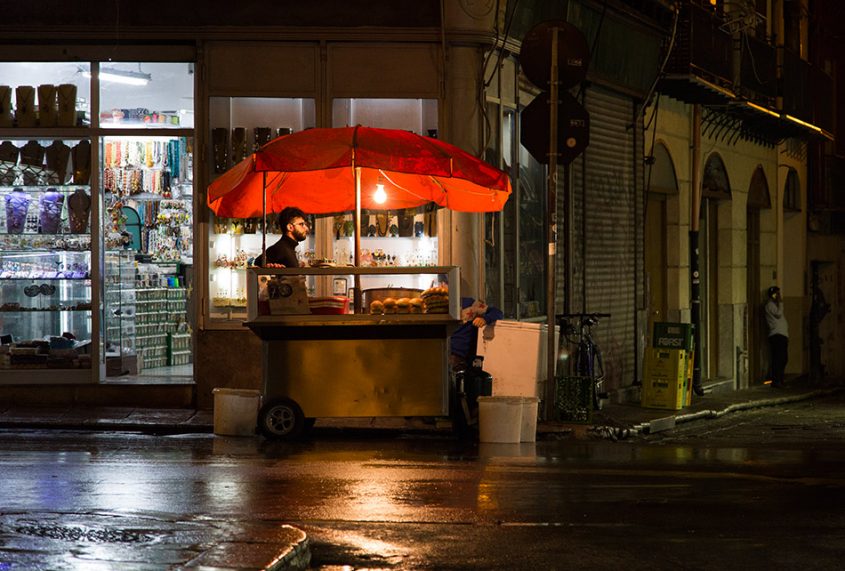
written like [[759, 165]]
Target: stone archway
[[716, 352]]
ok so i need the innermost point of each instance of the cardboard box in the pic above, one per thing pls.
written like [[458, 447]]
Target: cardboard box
[[665, 383], [125, 365]]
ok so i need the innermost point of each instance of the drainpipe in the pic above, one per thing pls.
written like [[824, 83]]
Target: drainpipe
[[695, 274]]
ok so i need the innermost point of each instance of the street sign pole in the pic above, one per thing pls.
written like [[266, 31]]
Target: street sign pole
[[551, 228]]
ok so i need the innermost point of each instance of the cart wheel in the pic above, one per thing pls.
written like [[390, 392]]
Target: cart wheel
[[281, 419]]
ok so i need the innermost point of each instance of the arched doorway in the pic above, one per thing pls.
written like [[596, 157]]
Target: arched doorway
[[758, 199], [661, 183], [715, 189]]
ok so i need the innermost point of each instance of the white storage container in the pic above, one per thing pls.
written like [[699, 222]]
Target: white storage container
[[516, 357], [500, 419], [236, 411]]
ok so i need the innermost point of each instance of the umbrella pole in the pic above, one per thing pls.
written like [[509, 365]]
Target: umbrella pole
[[264, 217], [356, 221]]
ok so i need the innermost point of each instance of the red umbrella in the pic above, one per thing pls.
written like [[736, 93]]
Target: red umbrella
[[317, 171]]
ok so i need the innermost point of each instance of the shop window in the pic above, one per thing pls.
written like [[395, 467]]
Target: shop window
[[515, 239], [416, 115], [239, 126], [135, 208], [388, 237], [149, 95], [45, 94], [531, 228], [46, 321], [147, 216], [148, 234]]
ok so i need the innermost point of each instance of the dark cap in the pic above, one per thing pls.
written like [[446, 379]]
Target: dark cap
[[773, 290]]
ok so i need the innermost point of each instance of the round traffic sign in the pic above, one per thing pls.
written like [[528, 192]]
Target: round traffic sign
[[573, 54]]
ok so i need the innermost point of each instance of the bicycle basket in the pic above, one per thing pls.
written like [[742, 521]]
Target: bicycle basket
[[574, 398]]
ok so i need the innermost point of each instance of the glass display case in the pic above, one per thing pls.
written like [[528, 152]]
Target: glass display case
[[119, 313], [45, 257], [239, 125], [362, 294], [236, 243]]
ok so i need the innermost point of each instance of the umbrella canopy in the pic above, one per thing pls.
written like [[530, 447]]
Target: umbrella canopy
[[315, 170]]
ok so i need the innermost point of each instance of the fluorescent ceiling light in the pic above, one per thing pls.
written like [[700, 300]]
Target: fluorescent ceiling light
[[120, 76]]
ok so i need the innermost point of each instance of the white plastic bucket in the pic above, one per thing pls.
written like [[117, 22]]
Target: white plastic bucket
[[500, 419], [236, 411], [528, 433]]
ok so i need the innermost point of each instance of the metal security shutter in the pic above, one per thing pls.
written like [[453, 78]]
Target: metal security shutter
[[607, 230]]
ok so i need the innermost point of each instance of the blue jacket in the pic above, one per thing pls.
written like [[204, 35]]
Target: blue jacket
[[465, 338]]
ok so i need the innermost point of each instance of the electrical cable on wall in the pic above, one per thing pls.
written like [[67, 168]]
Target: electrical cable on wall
[[670, 47]]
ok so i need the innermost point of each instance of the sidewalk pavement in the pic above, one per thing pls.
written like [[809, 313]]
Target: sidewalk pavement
[[623, 419], [288, 548], [627, 419]]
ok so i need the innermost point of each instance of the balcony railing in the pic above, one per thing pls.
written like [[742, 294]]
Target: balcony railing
[[807, 93], [699, 68], [795, 81], [758, 71], [702, 47]]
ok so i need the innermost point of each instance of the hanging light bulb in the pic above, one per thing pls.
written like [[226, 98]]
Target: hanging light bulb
[[380, 196]]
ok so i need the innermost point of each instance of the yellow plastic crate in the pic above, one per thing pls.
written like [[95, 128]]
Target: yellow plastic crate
[[665, 383]]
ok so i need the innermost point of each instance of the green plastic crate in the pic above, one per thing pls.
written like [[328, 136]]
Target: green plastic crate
[[574, 398]]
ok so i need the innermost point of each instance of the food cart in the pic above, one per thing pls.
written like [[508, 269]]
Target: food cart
[[356, 362], [343, 364]]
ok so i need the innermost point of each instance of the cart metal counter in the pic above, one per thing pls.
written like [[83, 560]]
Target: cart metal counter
[[353, 363]]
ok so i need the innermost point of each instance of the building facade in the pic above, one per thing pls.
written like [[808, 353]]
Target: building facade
[[701, 121]]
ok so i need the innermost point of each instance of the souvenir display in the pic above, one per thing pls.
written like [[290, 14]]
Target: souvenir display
[[220, 149], [79, 208], [5, 106], [25, 106], [66, 105], [8, 163], [32, 163], [81, 155], [58, 156], [47, 106], [17, 205], [261, 136], [50, 211], [238, 144]]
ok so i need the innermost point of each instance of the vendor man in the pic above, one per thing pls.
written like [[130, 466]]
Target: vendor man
[[283, 253]]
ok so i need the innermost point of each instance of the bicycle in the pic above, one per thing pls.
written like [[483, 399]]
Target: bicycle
[[588, 358]]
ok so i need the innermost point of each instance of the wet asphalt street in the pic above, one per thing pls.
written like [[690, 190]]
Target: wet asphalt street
[[756, 490]]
